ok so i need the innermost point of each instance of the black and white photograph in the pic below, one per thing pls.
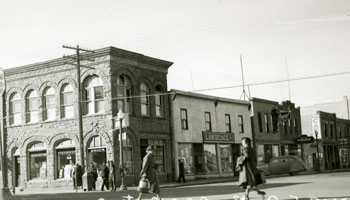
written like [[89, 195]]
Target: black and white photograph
[[175, 100]]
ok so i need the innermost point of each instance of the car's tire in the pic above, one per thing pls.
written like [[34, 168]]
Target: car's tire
[[293, 173]]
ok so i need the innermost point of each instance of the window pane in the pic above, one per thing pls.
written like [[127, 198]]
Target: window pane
[[210, 158], [99, 107], [64, 159], [68, 111], [159, 157], [98, 93], [144, 109], [50, 101], [128, 164], [16, 106], [185, 153], [17, 118], [226, 158], [37, 165]]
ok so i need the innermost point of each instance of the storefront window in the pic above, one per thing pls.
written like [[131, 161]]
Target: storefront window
[[260, 154], [37, 160], [275, 151], [158, 152], [97, 151], [65, 153], [127, 156], [185, 153], [226, 158], [210, 158]]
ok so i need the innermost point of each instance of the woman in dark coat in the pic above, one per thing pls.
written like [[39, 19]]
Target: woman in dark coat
[[149, 169], [246, 165]]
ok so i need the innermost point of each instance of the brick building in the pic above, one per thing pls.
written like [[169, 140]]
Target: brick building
[[271, 143], [207, 132], [333, 140], [41, 120]]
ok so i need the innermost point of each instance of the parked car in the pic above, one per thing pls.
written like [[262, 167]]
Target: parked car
[[283, 165]]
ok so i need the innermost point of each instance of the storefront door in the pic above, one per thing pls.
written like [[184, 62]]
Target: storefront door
[[198, 158], [17, 170]]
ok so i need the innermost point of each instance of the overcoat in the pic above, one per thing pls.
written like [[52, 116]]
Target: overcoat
[[247, 167], [149, 169]]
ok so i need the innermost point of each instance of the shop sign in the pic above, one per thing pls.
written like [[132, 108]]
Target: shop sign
[[316, 127], [304, 139], [2, 82], [66, 152], [98, 150], [218, 137], [153, 136]]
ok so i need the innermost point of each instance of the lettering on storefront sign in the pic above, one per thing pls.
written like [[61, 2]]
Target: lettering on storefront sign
[[304, 139], [153, 135], [315, 123], [218, 137], [98, 150], [2, 82]]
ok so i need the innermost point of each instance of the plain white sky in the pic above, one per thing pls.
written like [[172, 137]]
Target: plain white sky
[[202, 36]]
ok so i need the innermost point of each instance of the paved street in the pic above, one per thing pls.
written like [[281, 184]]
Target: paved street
[[322, 186]]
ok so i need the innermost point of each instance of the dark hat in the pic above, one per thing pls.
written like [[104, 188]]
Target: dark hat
[[151, 147]]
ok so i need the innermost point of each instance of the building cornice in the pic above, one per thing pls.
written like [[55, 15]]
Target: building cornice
[[208, 97], [108, 51]]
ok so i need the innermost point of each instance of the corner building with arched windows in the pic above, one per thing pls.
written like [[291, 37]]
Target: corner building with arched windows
[[41, 117]]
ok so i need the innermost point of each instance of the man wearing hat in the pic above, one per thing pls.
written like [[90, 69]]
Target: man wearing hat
[[149, 169]]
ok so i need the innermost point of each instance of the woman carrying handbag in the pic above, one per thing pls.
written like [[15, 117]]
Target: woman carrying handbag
[[246, 165], [149, 172]]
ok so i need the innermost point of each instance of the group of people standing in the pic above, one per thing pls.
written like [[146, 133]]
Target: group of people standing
[[246, 166], [107, 173]]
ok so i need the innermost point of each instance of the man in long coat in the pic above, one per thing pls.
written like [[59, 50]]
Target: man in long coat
[[104, 176], [149, 170]]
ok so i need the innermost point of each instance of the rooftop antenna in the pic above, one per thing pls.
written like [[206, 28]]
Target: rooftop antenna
[[244, 93], [285, 60], [192, 80]]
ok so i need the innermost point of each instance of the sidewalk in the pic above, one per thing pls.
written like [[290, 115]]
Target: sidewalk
[[167, 185]]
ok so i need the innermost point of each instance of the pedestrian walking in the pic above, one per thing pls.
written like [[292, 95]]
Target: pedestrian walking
[[247, 167], [104, 175], [181, 171], [149, 170], [92, 177], [112, 174]]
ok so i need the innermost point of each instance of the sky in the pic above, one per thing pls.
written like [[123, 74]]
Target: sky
[[203, 38]]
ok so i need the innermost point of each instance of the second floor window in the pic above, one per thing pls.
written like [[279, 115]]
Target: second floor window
[[94, 95], [31, 106], [49, 104], [123, 94], [260, 122], [15, 109], [266, 119], [67, 107], [207, 121], [144, 95], [240, 124], [184, 119], [228, 123], [159, 101]]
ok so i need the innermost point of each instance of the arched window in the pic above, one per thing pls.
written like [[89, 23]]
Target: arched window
[[31, 106], [144, 93], [67, 108], [65, 154], [158, 101], [93, 95], [15, 109], [49, 104], [123, 94], [37, 161], [127, 156], [97, 151]]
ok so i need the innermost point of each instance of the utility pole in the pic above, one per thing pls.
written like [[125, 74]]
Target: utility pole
[[244, 94], [77, 58]]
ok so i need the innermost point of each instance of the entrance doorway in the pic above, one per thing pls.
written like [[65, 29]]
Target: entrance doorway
[[16, 168]]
